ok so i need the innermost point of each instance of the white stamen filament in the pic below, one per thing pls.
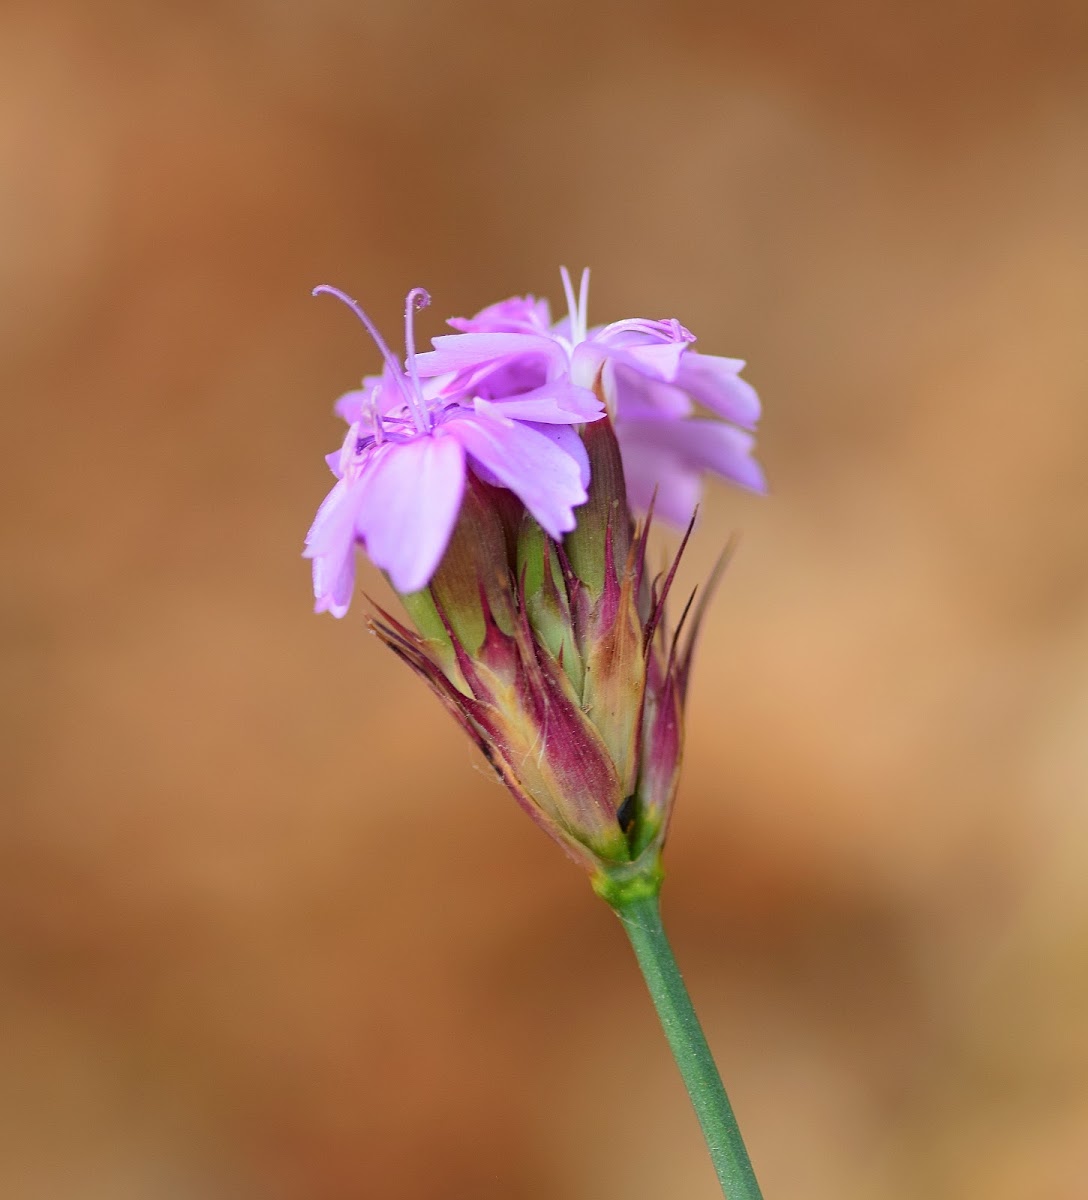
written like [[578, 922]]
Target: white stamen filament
[[572, 304], [583, 306], [417, 298], [374, 414], [577, 308]]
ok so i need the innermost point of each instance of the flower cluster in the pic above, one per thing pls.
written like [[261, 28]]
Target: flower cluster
[[495, 479], [503, 399]]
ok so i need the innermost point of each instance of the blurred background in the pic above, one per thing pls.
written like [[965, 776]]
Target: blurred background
[[269, 930]]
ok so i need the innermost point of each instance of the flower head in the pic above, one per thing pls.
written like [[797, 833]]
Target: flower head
[[648, 375], [401, 470], [493, 479]]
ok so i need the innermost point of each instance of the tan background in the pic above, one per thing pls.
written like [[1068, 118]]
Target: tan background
[[269, 931]]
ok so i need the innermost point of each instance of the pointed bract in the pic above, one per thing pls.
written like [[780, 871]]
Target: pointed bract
[[572, 687]]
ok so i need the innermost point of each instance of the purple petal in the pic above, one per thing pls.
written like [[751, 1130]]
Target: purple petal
[[350, 405], [410, 504], [703, 445], [635, 397], [660, 360], [462, 351], [325, 530], [714, 383], [568, 440], [541, 473], [558, 402], [519, 314], [331, 545], [334, 583], [657, 474], [498, 381]]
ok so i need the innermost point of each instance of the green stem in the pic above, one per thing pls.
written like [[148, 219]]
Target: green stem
[[641, 918]]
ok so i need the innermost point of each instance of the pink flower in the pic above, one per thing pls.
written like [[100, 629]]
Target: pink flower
[[401, 469], [649, 376]]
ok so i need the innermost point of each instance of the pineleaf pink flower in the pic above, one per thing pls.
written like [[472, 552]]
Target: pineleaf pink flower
[[401, 470], [649, 376]]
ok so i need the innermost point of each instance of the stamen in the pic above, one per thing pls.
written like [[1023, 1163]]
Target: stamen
[[374, 414], [394, 366], [417, 298], [583, 306], [578, 308], [572, 305]]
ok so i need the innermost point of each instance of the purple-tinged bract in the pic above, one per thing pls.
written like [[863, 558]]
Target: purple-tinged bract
[[555, 658]]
